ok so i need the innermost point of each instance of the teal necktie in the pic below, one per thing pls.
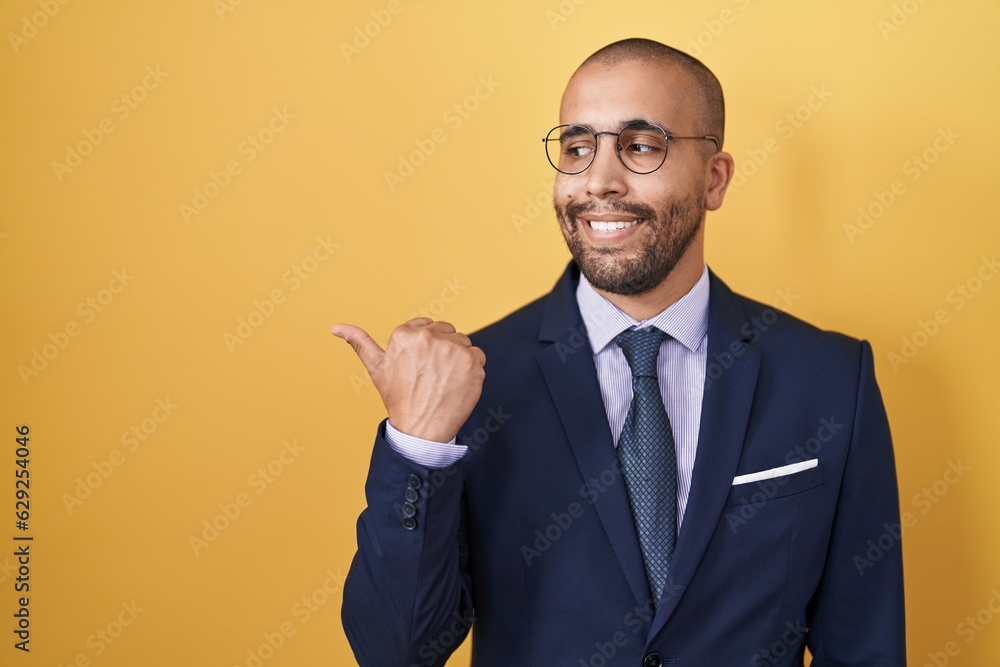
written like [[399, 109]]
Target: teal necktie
[[647, 457]]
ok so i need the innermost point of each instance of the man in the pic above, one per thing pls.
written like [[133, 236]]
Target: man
[[655, 470]]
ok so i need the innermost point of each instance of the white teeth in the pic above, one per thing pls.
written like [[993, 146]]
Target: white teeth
[[611, 226]]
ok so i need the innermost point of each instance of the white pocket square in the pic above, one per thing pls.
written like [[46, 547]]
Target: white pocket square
[[775, 472]]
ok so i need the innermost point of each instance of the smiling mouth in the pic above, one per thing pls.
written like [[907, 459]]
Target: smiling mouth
[[611, 225]]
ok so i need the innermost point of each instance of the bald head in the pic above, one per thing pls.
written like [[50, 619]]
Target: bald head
[[705, 91]]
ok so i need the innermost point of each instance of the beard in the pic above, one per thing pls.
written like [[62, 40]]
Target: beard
[[626, 272]]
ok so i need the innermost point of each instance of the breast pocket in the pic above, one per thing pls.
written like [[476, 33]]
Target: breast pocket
[[766, 490]]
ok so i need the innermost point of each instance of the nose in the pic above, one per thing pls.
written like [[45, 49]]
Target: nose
[[606, 175]]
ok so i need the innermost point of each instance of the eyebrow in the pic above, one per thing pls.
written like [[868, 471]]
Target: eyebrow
[[574, 130], [641, 123]]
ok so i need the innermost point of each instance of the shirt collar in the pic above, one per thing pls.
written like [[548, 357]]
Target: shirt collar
[[686, 320]]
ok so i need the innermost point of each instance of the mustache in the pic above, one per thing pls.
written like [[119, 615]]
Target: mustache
[[578, 209]]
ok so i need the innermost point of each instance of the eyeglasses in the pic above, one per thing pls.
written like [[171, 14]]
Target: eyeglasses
[[642, 147]]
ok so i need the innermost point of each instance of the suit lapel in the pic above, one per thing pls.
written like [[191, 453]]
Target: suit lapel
[[733, 365], [567, 364]]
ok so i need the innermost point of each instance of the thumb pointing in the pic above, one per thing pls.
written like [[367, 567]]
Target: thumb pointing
[[366, 348]]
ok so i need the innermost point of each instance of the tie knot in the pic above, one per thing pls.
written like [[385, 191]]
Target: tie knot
[[641, 348]]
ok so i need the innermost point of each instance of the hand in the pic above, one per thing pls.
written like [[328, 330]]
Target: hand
[[429, 376]]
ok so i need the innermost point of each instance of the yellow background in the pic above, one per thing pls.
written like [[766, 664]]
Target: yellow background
[[459, 238]]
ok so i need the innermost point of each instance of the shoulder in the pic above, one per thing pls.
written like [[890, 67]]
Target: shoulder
[[790, 341], [549, 315], [516, 328]]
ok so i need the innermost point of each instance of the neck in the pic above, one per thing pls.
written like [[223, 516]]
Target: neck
[[677, 283]]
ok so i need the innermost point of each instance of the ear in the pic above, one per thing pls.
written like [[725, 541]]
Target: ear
[[719, 172]]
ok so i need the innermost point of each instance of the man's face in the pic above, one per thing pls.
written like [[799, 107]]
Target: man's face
[[660, 213]]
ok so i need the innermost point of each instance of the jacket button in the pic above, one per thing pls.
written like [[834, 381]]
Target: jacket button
[[653, 660], [414, 482], [411, 494], [409, 510], [409, 523]]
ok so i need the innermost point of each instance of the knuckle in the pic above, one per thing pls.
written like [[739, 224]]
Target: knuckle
[[403, 332]]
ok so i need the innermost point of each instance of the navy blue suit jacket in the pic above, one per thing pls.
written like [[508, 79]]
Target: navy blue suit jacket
[[529, 539]]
